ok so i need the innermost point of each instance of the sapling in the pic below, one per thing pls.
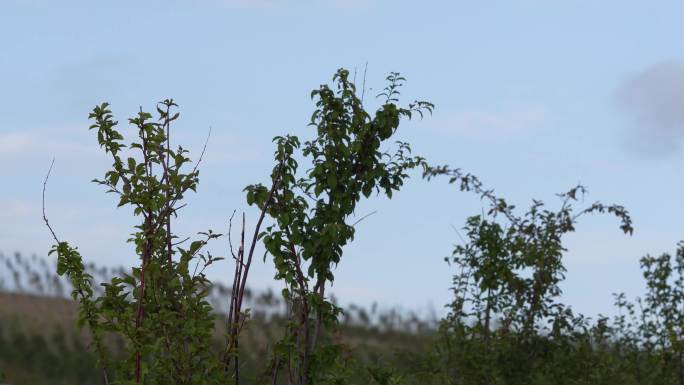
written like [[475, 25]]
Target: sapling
[[159, 307], [311, 211]]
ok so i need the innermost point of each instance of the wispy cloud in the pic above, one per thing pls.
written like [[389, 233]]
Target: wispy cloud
[[257, 4], [70, 143], [22, 228], [653, 102], [483, 124], [26, 146], [14, 143]]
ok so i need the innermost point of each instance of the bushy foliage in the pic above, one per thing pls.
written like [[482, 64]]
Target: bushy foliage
[[506, 324]]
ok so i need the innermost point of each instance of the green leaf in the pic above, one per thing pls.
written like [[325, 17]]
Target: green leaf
[[332, 181]]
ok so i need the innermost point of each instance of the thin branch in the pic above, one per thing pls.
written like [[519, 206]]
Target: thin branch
[[179, 242], [204, 149], [364, 217], [230, 238], [276, 367], [44, 187], [458, 233], [47, 223], [320, 290], [255, 237], [170, 208], [363, 89]]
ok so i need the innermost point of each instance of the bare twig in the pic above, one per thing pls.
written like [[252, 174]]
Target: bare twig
[[230, 231], [255, 237], [234, 323], [276, 367], [47, 223], [179, 242], [363, 89], [170, 207], [364, 217], [204, 149], [458, 233]]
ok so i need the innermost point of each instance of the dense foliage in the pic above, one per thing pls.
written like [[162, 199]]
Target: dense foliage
[[311, 213]]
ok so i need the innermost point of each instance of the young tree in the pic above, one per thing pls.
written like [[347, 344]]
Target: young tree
[[159, 307], [311, 212]]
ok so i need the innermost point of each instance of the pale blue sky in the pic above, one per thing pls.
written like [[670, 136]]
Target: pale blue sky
[[532, 96]]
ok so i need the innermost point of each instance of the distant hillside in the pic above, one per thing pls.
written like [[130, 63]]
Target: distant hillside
[[40, 343]]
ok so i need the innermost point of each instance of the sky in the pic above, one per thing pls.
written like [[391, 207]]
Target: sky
[[531, 96]]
